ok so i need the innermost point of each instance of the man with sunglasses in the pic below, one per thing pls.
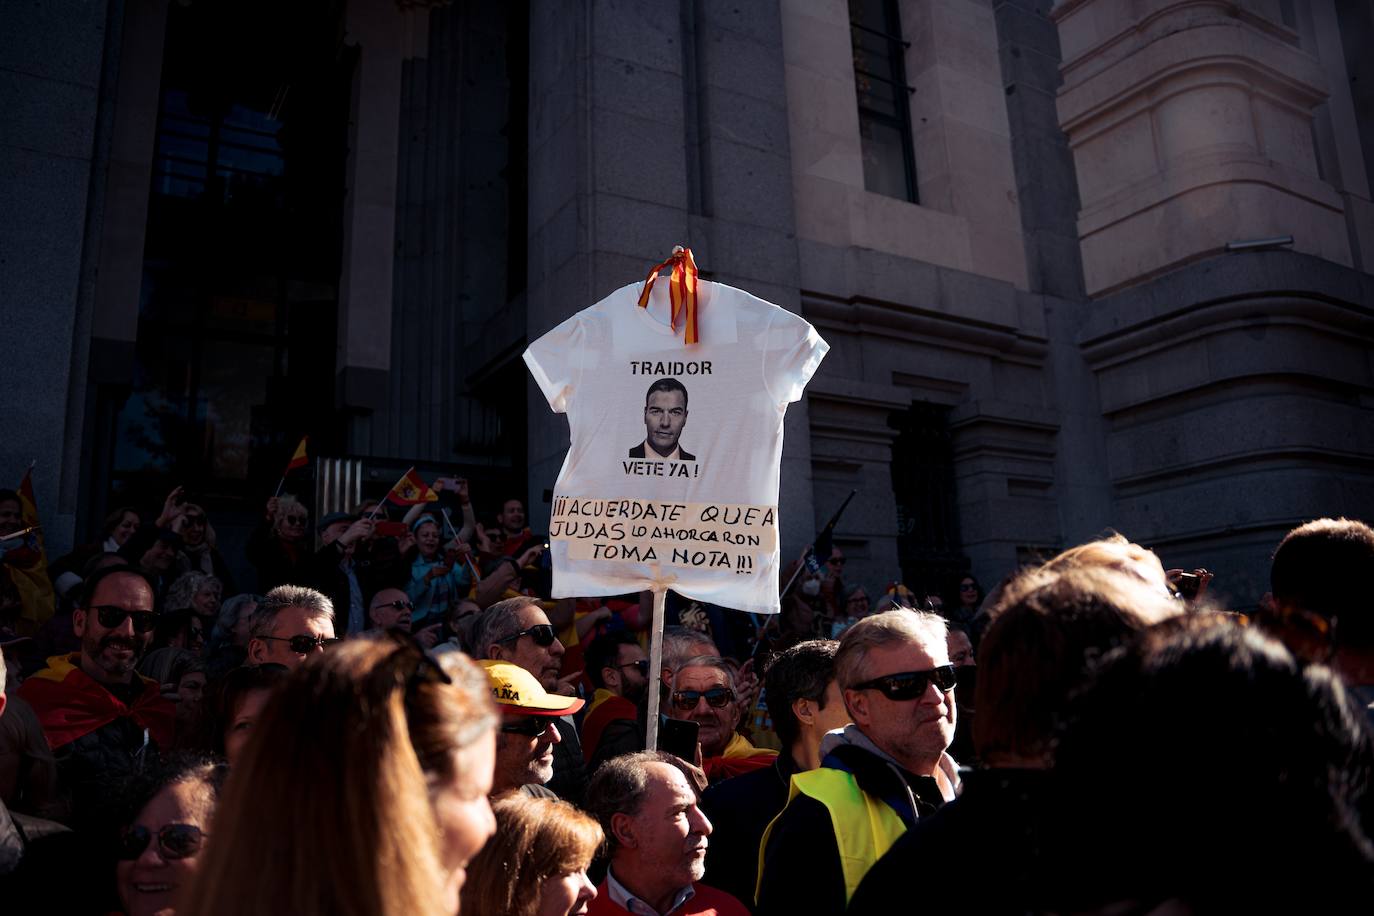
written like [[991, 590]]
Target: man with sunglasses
[[619, 669], [877, 775], [518, 631], [704, 693], [291, 622], [528, 735], [101, 718], [390, 608]]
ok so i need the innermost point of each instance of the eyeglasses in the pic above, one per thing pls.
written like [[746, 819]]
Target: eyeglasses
[[716, 698], [642, 666], [304, 643], [529, 726], [399, 604], [112, 616], [836, 561], [541, 633], [174, 841], [197, 520], [297, 519], [908, 685]]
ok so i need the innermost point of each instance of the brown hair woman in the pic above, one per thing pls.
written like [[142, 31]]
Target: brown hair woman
[[536, 864], [362, 789]]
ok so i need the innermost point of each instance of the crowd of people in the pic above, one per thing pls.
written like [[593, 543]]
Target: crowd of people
[[395, 716]]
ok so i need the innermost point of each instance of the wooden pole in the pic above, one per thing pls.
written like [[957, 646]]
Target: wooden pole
[[655, 664]]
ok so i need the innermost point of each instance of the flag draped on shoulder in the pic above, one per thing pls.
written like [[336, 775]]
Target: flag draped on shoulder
[[27, 564], [411, 490], [71, 704]]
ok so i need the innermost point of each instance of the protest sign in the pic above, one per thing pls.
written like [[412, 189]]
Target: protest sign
[[675, 396]]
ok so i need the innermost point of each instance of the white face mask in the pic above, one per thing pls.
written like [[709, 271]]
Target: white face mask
[[811, 587]]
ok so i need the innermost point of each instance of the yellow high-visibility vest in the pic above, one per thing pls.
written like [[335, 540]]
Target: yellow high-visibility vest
[[865, 827]]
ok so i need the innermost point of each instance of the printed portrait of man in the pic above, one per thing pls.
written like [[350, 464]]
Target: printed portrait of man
[[665, 413]]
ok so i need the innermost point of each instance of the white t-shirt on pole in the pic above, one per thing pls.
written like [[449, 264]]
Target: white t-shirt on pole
[[672, 473]]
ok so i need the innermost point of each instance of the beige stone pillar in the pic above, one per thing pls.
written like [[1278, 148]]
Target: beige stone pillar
[[1191, 126]]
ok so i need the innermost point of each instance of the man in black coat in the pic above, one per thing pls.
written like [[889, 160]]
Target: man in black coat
[[804, 702]]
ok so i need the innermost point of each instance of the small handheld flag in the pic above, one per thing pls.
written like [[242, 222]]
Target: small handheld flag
[[299, 459], [411, 490]]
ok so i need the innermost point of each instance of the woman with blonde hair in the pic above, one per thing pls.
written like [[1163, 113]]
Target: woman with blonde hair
[[536, 863], [362, 789], [1114, 552]]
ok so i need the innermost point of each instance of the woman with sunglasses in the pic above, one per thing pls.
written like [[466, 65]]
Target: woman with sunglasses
[[158, 851], [363, 789], [279, 548]]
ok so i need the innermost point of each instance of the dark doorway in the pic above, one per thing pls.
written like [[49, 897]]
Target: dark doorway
[[928, 545]]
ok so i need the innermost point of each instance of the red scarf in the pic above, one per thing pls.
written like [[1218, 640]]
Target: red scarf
[[71, 704]]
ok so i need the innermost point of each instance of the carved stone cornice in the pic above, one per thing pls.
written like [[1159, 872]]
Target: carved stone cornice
[[905, 322]]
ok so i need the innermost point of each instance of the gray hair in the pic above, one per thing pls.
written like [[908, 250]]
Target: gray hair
[[620, 785], [890, 628], [184, 589], [230, 611], [706, 661], [282, 597], [497, 624], [682, 643]]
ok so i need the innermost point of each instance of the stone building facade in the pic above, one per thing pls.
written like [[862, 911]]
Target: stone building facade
[[1082, 265]]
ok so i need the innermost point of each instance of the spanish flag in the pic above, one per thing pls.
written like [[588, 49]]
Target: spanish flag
[[411, 490], [27, 565], [70, 704], [299, 459]]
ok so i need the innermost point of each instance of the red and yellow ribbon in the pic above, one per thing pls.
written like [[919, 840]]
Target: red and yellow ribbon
[[682, 290]]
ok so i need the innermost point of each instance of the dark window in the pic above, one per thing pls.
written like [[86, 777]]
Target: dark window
[[236, 332], [884, 98], [928, 544]]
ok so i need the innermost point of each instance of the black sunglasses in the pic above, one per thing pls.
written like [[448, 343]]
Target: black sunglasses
[[174, 841], [303, 644], [642, 666], [716, 698], [529, 726], [112, 616], [399, 604], [541, 633], [908, 685]]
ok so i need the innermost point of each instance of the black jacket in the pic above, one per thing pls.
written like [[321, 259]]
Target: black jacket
[[740, 809], [569, 770], [995, 827]]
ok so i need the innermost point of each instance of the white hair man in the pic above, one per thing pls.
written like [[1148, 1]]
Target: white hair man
[[877, 775]]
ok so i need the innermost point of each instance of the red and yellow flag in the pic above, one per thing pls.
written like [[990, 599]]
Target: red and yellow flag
[[411, 490], [299, 459], [682, 291], [27, 565], [71, 705]]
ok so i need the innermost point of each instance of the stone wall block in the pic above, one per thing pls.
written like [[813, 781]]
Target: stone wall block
[[638, 158]]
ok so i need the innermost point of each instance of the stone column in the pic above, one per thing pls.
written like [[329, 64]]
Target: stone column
[[1191, 127]]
